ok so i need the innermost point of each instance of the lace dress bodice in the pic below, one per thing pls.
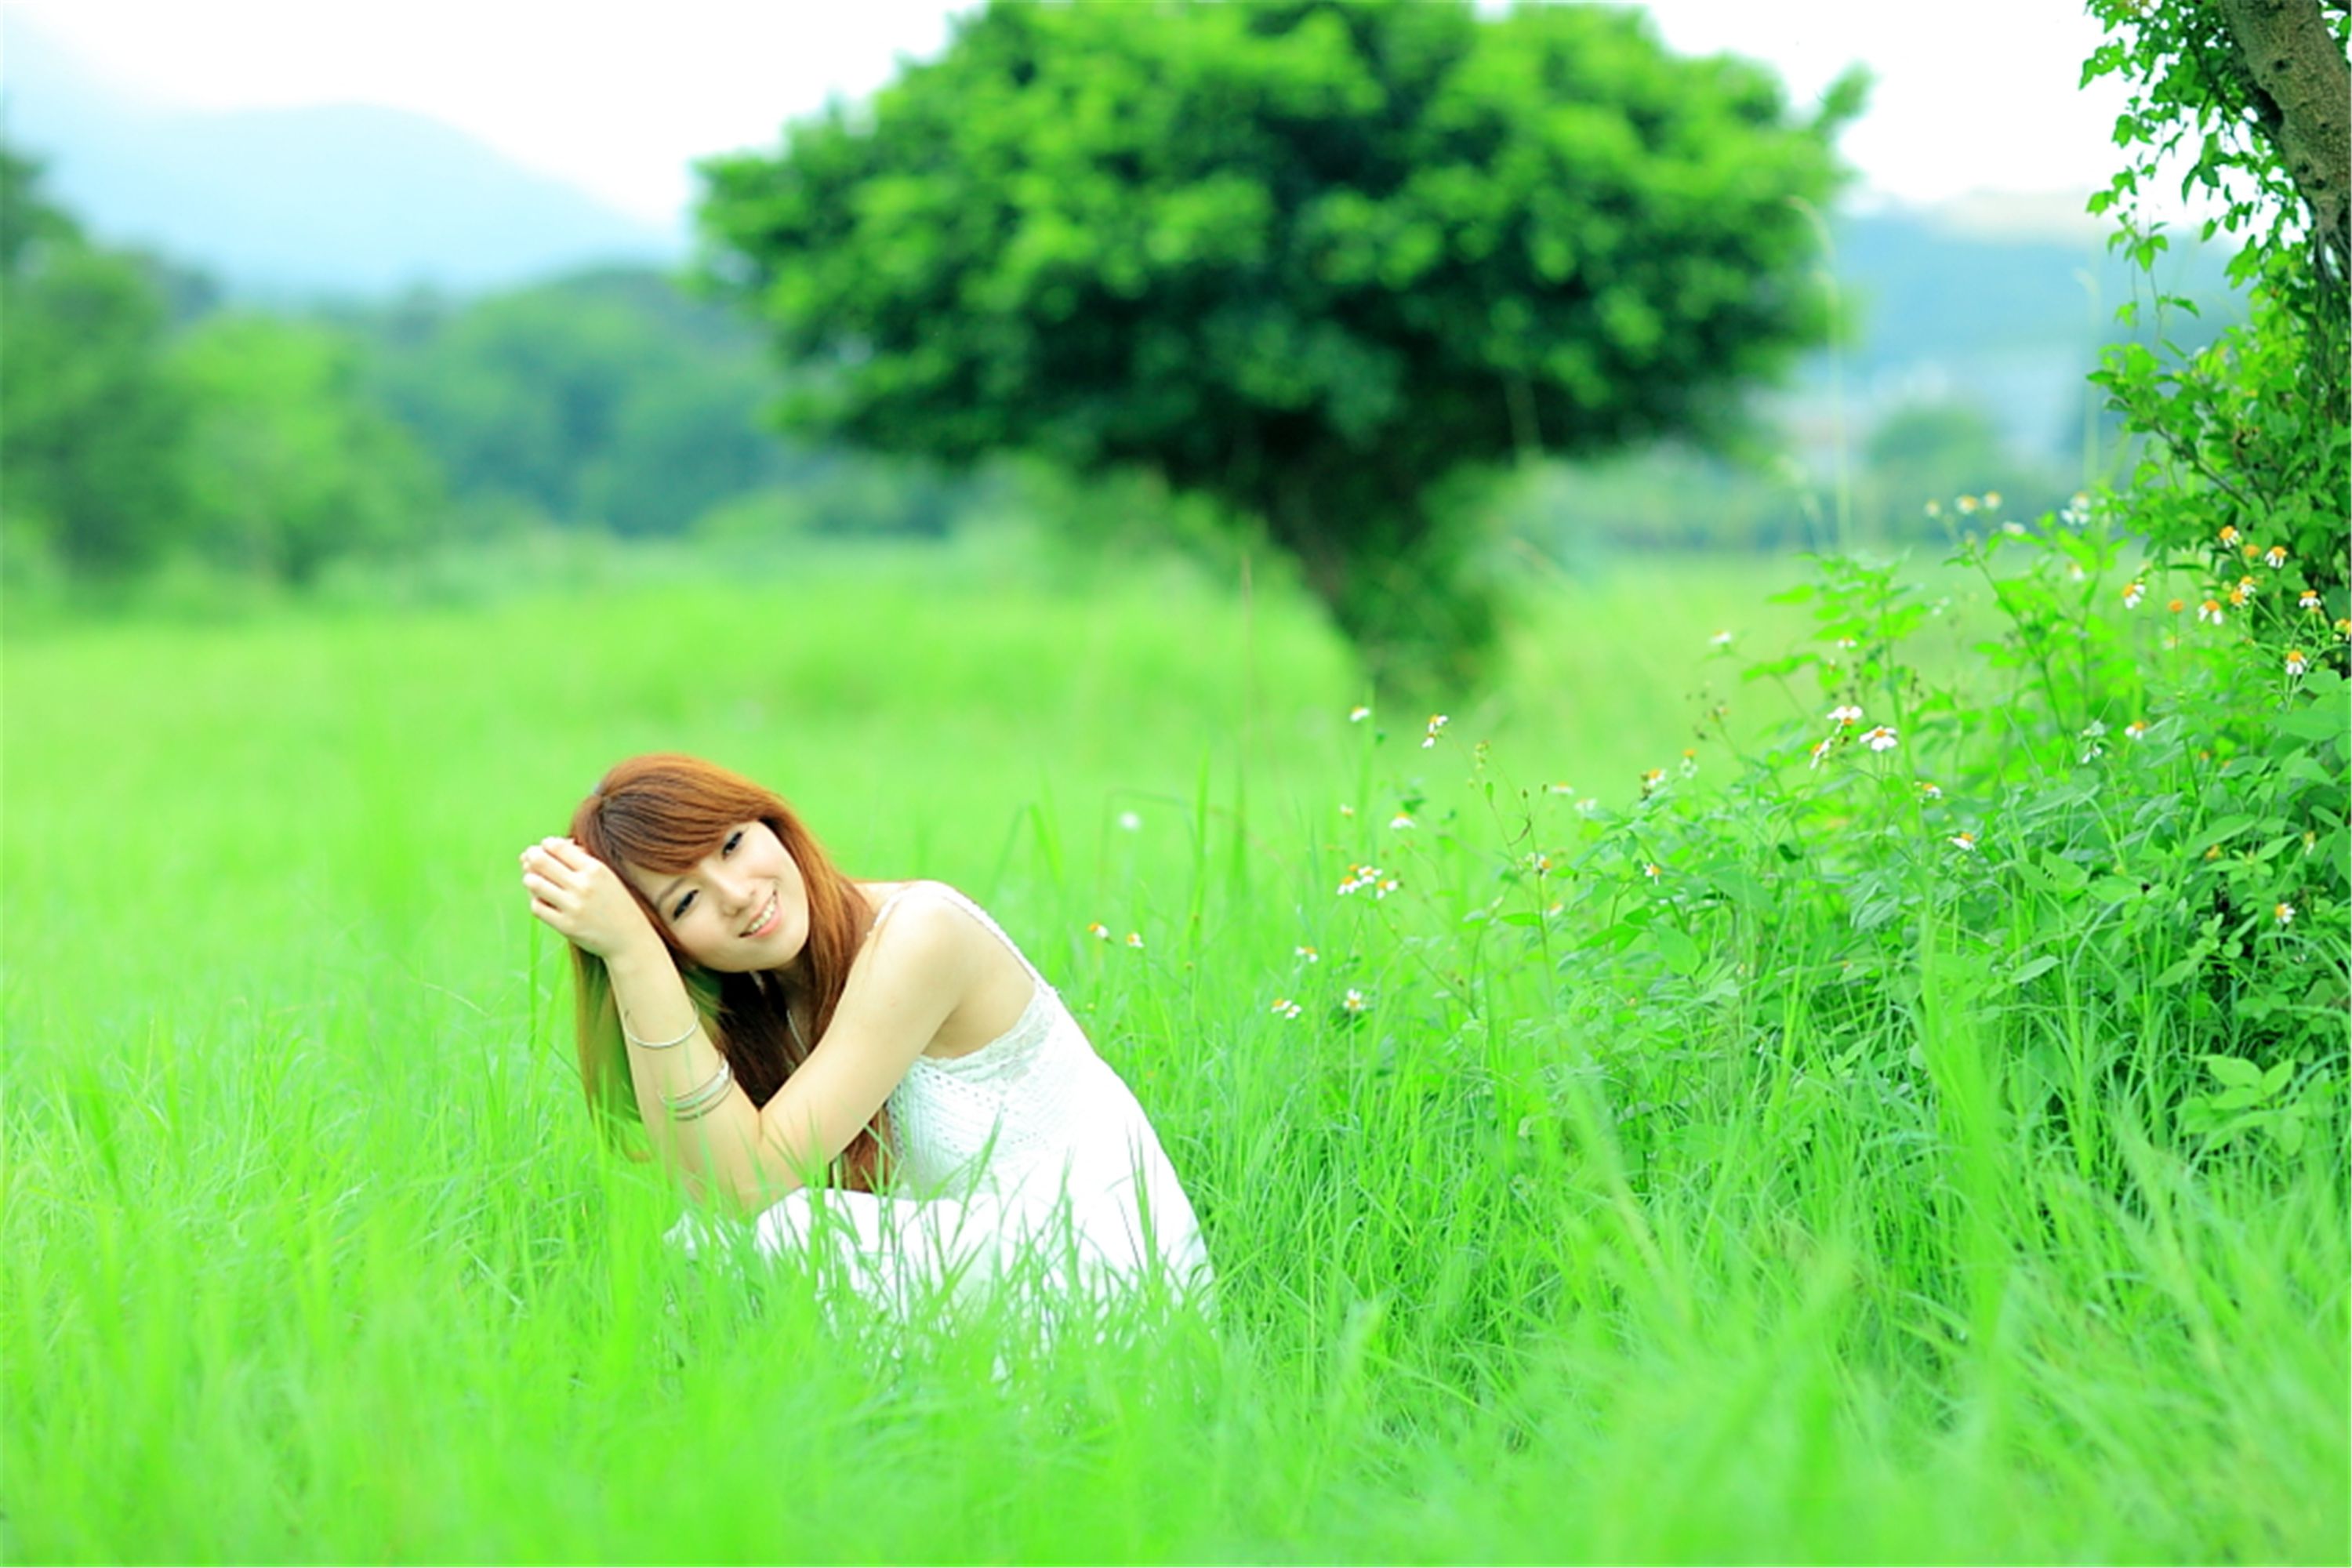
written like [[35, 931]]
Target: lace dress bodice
[[1029, 1148]]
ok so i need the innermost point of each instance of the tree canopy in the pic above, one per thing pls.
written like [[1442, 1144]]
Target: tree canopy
[[1311, 259]]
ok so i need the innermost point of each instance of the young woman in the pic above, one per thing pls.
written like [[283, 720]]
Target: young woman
[[769, 1021]]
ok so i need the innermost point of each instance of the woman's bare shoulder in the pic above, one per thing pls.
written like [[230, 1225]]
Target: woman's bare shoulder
[[925, 936], [884, 898]]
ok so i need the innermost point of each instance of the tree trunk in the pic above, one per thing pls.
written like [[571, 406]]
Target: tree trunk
[[1396, 584], [2302, 99]]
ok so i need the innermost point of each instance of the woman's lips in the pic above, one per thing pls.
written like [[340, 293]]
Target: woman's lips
[[770, 921]]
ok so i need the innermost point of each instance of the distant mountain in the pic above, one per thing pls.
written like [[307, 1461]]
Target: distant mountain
[[2001, 302], [1939, 282], [335, 201]]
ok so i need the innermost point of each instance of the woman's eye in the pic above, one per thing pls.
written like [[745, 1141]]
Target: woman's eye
[[683, 905], [732, 839]]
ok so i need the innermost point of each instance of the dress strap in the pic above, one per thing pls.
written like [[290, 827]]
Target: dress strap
[[953, 896]]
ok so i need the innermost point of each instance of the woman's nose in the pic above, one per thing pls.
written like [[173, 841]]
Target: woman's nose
[[731, 891]]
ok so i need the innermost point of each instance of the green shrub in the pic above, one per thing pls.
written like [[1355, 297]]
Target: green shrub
[[2108, 841]]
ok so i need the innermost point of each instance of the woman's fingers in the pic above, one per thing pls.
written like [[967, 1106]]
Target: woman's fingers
[[544, 858], [567, 854]]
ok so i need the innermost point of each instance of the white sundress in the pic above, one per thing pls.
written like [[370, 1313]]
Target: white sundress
[[1025, 1162]]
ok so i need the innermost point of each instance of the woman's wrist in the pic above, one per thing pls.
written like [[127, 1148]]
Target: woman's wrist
[[642, 957]]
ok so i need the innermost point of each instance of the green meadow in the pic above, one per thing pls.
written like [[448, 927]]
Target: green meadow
[[311, 1254]]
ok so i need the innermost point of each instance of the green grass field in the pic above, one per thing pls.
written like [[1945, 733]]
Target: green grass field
[[311, 1253]]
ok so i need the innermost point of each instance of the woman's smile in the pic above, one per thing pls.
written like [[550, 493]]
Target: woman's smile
[[771, 915]]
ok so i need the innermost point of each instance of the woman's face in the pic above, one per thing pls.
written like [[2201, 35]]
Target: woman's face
[[741, 907]]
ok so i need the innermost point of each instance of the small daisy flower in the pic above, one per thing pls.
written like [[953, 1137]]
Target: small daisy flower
[[1847, 644], [1559, 789], [1652, 779], [1963, 841], [1934, 509], [2295, 663], [1135, 938], [2248, 585], [2133, 594], [1099, 931], [1930, 791], [1347, 810], [1437, 721], [1653, 871], [1354, 1001], [1306, 956], [2094, 730], [1358, 714], [1400, 822], [2210, 611], [2176, 606], [1991, 501], [2074, 573], [2283, 914], [2135, 729], [1721, 639], [2274, 557], [2229, 533], [1880, 739], [1284, 1007], [2310, 601], [1968, 505], [1388, 885], [1845, 713], [1820, 751], [2251, 554], [2237, 598], [2078, 511], [2013, 529]]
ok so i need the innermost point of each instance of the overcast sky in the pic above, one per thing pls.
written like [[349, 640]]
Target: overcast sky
[[618, 97]]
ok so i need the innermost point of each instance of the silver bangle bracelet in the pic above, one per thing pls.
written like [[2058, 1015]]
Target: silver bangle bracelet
[[661, 1045], [696, 1104]]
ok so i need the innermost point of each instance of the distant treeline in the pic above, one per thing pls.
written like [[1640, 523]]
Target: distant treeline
[[145, 421]]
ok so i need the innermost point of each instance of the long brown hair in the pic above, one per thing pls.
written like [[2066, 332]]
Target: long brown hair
[[663, 813]]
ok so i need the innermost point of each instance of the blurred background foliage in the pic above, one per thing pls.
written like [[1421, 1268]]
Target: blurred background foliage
[[1188, 270]]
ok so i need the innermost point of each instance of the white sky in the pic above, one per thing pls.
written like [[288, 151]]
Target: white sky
[[619, 96]]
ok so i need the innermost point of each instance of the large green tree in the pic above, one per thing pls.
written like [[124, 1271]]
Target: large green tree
[[1312, 259]]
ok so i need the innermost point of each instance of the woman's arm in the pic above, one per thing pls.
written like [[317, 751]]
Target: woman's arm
[[910, 977]]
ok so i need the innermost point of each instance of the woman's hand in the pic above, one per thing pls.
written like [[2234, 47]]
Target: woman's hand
[[583, 898]]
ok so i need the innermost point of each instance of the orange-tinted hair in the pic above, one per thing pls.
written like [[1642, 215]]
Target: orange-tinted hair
[[663, 813]]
